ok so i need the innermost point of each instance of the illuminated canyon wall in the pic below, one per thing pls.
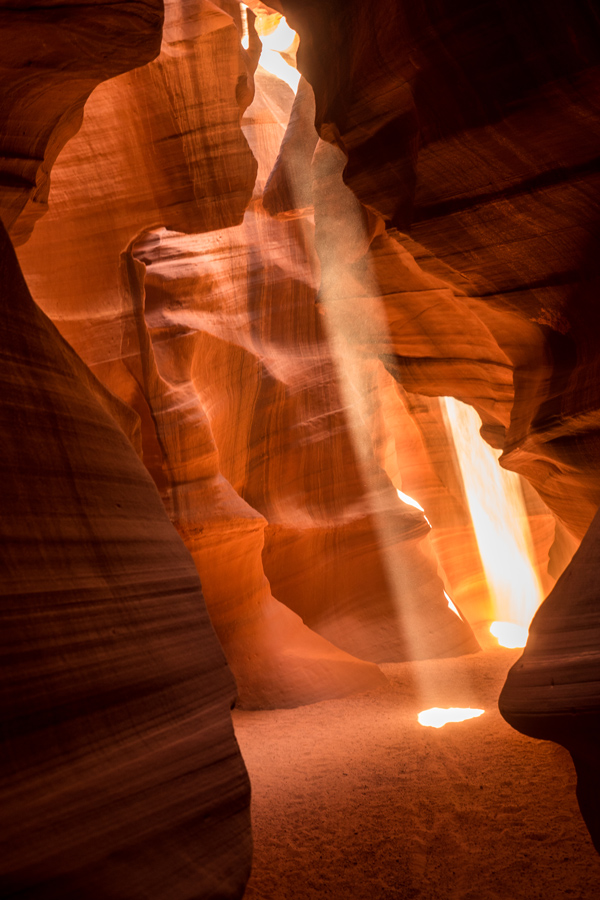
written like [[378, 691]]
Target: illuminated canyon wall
[[266, 295]]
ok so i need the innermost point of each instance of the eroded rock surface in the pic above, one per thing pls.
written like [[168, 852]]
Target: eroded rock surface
[[354, 590], [53, 54], [553, 691], [120, 774], [454, 190], [476, 126], [120, 771]]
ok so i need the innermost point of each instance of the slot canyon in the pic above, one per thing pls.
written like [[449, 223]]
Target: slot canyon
[[300, 420]]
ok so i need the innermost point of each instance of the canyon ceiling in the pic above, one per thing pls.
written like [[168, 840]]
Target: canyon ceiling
[[228, 312]]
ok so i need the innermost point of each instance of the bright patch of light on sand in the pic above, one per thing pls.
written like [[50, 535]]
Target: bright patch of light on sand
[[436, 717], [452, 606], [412, 502], [509, 635]]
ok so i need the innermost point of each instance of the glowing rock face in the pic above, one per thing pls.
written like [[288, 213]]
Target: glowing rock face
[[412, 502], [437, 717], [275, 42], [509, 635], [452, 606], [499, 519], [409, 500]]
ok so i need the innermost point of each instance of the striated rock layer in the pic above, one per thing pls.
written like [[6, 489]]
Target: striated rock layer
[[330, 540], [374, 294], [120, 776], [52, 56], [120, 772]]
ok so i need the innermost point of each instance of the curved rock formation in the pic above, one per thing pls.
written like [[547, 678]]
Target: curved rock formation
[[53, 54], [274, 436], [254, 349], [120, 775], [120, 771], [553, 691], [361, 579]]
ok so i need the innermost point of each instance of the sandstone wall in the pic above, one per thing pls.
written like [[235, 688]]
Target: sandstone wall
[[120, 774]]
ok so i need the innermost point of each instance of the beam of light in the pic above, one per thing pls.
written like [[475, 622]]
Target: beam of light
[[355, 317], [274, 43], [509, 635], [436, 717], [274, 63], [281, 39], [499, 519], [403, 572]]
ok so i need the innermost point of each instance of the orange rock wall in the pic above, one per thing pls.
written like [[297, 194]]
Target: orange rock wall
[[52, 57], [452, 248], [198, 176], [114, 686], [120, 775]]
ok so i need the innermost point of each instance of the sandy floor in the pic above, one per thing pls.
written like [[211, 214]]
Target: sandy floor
[[354, 800]]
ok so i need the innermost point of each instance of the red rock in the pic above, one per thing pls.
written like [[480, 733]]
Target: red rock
[[52, 57], [120, 771], [551, 693]]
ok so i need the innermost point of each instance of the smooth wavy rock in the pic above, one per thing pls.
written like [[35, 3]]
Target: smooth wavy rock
[[120, 772], [52, 56], [382, 299], [301, 182], [553, 691], [340, 548], [235, 313]]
